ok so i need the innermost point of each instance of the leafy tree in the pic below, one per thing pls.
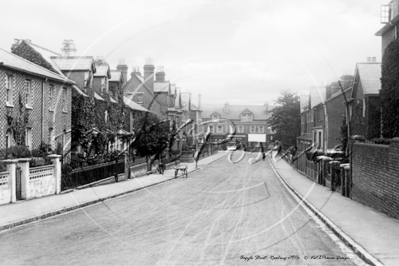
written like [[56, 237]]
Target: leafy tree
[[286, 119], [152, 135], [389, 93]]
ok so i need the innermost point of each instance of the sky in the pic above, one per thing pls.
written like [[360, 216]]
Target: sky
[[235, 51]]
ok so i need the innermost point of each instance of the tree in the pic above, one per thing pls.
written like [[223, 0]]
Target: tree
[[152, 135], [389, 93], [286, 118]]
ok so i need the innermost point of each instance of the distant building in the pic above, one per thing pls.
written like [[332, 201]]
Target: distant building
[[250, 122]]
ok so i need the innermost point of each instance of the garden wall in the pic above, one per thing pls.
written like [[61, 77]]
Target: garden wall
[[375, 176]]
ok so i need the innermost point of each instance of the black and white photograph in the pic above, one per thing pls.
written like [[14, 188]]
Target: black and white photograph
[[199, 132]]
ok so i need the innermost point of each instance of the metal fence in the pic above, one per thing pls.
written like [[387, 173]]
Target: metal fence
[[93, 173]]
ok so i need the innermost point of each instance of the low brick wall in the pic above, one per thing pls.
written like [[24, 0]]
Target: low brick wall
[[375, 176]]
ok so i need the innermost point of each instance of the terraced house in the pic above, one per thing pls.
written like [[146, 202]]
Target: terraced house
[[36, 104], [97, 97]]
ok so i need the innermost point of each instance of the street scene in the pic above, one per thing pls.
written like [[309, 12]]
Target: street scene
[[219, 215], [199, 133]]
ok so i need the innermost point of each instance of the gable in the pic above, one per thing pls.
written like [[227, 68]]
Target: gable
[[27, 52]]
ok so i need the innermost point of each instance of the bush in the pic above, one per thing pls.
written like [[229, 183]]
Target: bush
[[37, 153], [382, 141], [15, 152]]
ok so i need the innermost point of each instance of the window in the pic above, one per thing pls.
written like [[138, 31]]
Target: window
[[86, 79], [240, 129], [28, 93], [140, 97], [211, 128], [215, 117], [220, 129], [102, 85], [253, 129], [9, 88], [364, 107], [51, 97], [320, 141], [8, 138], [246, 117], [64, 99], [260, 129], [385, 14], [28, 138]]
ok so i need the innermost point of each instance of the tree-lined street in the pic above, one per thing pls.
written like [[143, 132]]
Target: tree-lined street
[[221, 214]]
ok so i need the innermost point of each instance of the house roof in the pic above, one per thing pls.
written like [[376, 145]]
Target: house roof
[[103, 70], [46, 54], [234, 111], [71, 63], [98, 97], [133, 105], [15, 62], [112, 100], [161, 86], [116, 75], [388, 26], [370, 77], [78, 90]]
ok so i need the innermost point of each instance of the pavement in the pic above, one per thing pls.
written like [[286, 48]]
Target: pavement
[[372, 235], [26, 211]]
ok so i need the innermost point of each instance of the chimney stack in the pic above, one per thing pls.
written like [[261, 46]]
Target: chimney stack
[[149, 74], [160, 75], [122, 68], [68, 48], [15, 44]]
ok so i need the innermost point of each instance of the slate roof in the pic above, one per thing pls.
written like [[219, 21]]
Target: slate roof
[[98, 97], [161, 86], [15, 62], [76, 88], [370, 77], [103, 70], [234, 111], [115, 75], [75, 63]]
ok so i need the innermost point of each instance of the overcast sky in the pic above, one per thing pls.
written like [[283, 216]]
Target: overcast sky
[[241, 52]]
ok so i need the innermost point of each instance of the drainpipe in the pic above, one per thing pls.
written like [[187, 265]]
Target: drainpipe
[[42, 118], [347, 116]]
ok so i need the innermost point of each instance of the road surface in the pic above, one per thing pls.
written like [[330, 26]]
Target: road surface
[[222, 214]]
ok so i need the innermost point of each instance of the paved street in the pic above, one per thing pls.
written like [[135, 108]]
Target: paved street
[[222, 214]]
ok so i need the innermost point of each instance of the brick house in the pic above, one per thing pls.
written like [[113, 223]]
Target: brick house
[[365, 101], [327, 115], [250, 121], [140, 89], [40, 97], [94, 86]]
